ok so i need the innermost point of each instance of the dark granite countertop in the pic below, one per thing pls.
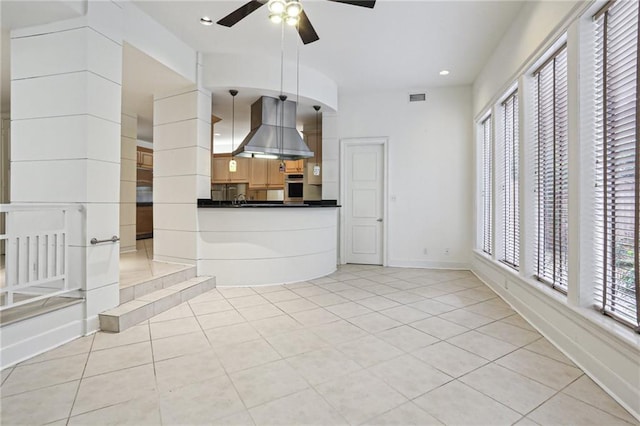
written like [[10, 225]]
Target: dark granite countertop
[[205, 203]]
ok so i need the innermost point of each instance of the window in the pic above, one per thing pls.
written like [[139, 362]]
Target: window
[[551, 170], [510, 207], [617, 160], [486, 184]]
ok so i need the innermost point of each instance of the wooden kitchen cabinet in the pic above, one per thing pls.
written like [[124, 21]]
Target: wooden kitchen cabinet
[[145, 158], [294, 166], [265, 174], [220, 170]]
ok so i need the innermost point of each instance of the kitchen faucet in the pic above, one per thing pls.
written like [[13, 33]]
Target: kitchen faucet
[[240, 199]]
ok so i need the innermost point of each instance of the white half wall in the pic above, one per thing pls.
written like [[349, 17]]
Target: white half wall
[[429, 167]]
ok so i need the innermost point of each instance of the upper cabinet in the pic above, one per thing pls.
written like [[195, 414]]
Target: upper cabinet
[[145, 158], [265, 174], [220, 170], [294, 166]]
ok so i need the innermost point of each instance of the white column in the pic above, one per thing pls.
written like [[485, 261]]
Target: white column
[[128, 181], [181, 171], [65, 137], [330, 157]]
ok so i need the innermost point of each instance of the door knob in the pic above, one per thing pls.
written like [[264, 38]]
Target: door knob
[[379, 220]]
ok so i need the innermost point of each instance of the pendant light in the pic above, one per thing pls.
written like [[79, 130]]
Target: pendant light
[[316, 167], [233, 166]]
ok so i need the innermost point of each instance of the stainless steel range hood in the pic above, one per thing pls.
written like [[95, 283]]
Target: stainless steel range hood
[[272, 134]]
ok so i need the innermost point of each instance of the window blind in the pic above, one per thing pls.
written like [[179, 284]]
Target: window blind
[[486, 185], [510, 179], [551, 170], [617, 153]]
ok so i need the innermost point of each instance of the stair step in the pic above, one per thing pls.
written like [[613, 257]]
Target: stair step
[[150, 304], [135, 291]]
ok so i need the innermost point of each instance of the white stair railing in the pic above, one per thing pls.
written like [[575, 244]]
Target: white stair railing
[[36, 247]]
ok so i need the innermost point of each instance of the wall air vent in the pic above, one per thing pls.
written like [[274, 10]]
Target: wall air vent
[[417, 97]]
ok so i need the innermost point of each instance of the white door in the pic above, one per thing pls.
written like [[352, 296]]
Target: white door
[[364, 203]]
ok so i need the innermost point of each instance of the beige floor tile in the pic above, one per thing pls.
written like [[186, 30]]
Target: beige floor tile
[[301, 408], [409, 376], [328, 299], [264, 289], [338, 332], [314, 317], [525, 421], [135, 334], [374, 322], [118, 358], [231, 334], [440, 328], [247, 301], [296, 305], [407, 338], [232, 292], [405, 314], [432, 307], [208, 296], [254, 313], [408, 414], [219, 319], [544, 347], [246, 355], [183, 344], [5, 373], [509, 333], [346, 285], [378, 303], [188, 369], [513, 390], [75, 347], [491, 310], [348, 310], [480, 294], [183, 310], [518, 321], [241, 418], [310, 291], [296, 342], [43, 374], [174, 327], [280, 296], [210, 307], [200, 403], [563, 409], [113, 388], [428, 292], [403, 285], [360, 396], [322, 365], [383, 279], [454, 299], [540, 368], [465, 318], [276, 325], [369, 351], [267, 382], [139, 411], [587, 391], [355, 294], [381, 289], [457, 404], [449, 359], [480, 344], [39, 406], [404, 297]]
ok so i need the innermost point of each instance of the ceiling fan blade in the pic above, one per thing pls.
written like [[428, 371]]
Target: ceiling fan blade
[[305, 29], [362, 3], [240, 13]]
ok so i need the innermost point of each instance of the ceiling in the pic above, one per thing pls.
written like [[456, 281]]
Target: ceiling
[[398, 45]]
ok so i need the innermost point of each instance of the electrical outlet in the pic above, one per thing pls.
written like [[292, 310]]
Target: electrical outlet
[[446, 251]]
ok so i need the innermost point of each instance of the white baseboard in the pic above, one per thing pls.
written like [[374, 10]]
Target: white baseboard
[[427, 264], [606, 351]]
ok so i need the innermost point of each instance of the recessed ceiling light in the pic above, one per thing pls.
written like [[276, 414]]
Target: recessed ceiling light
[[205, 20], [444, 72], [217, 134]]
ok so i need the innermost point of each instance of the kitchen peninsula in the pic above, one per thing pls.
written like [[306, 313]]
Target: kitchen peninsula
[[267, 243]]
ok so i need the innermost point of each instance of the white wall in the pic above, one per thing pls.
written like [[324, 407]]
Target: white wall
[[430, 161], [606, 350]]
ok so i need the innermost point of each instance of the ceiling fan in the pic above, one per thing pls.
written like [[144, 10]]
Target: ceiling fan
[[305, 29]]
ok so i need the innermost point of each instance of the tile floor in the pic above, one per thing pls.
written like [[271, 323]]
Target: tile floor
[[365, 345]]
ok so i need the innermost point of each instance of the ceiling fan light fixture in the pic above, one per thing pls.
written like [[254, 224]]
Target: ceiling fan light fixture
[[293, 8], [205, 20], [276, 18], [292, 20], [276, 6]]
